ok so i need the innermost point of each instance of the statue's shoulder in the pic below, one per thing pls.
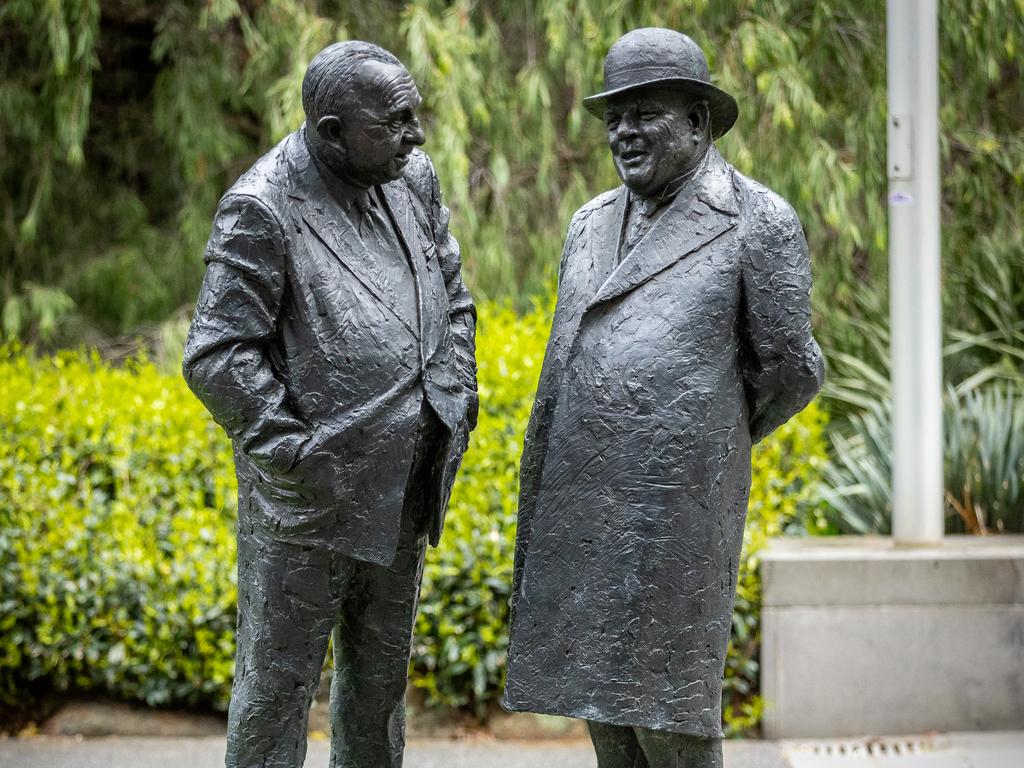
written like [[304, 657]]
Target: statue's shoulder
[[598, 206], [267, 178], [762, 206], [420, 175]]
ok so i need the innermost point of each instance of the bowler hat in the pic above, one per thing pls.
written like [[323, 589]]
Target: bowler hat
[[654, 56]]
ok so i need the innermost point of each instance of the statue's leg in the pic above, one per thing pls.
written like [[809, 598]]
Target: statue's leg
[[674, 750], [373, 640], [616, 746], [372, 644], [286, 608]]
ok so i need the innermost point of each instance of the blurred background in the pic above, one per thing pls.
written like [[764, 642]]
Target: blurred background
[[122, 122]]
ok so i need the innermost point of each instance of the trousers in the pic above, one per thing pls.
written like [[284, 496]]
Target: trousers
[[292, 599], [619, 746]]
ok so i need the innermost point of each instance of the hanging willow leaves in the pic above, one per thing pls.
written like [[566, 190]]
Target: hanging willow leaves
[[121, 123]]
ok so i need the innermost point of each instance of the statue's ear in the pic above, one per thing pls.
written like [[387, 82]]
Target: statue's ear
[[330, 129], [700, 119]]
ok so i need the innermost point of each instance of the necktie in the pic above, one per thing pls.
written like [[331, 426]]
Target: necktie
[[641, 223], [368, 216]]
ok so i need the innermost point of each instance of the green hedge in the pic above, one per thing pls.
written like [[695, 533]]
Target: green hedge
[[117, 504], [116, 547]]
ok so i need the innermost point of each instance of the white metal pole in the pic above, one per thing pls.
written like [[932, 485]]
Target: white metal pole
[[914, 271]]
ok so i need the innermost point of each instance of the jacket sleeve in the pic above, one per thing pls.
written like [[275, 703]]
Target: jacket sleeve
[[226, 360], [461, 310], [783, 368]]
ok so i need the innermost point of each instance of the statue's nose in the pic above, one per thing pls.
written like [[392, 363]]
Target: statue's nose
[[414, 134], [627, 128]]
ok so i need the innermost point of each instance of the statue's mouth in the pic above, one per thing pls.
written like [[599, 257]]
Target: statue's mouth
[[631, 156]]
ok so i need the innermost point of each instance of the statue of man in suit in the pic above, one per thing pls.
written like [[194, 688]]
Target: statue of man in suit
[[333, 339], [681, 337]]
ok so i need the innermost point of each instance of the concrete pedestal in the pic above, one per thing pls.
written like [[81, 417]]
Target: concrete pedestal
[[862, 638]]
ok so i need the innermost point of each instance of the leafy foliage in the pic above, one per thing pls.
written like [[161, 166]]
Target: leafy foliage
[[985, 459], [983, 365], [117, 505], [462, 626], [116, 543], [120, 123], [984, 466]]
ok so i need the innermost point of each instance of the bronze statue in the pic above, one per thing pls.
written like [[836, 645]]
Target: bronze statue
[[681, 337], [333, 339]]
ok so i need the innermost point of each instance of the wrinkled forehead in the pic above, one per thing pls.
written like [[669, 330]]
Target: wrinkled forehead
[[661, 97], [383, 85]]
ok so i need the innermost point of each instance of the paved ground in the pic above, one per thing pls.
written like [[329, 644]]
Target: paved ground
[[963, 750], [208, 752], [989, 750]]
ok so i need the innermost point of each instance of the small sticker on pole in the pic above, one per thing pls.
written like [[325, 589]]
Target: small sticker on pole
[[901, 198]]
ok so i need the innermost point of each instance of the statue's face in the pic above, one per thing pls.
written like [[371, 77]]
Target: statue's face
[[656, 136], [377, 127]]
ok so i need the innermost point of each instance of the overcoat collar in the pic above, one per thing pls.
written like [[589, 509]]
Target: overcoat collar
[[313, 204], [689, 223]]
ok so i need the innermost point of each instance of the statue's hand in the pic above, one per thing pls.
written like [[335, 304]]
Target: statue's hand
[[285, 485], [472, 410]]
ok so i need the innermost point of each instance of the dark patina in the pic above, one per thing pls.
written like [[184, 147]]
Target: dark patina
[[333, 339], [681, 337]]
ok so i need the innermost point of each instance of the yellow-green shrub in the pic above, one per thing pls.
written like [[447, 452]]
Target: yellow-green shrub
[[117, 558], [462, 633], [116, 543]]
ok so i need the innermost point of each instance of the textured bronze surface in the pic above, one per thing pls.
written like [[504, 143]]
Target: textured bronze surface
[[681, 337], [333, 339]]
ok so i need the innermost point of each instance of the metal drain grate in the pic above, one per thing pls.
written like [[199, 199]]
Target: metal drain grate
[[873, 748], [910, 752]]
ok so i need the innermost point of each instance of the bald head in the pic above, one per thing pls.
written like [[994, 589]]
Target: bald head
[[334, 72], [360, 105]]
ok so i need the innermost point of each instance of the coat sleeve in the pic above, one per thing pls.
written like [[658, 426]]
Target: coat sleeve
[[461, 310], [783, 368], [423, 183], [226, 360]]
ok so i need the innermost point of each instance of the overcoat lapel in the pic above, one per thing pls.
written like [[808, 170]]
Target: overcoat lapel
[[606, 245], [689, 224]]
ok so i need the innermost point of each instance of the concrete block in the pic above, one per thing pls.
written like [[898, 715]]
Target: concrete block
[[861, 638]]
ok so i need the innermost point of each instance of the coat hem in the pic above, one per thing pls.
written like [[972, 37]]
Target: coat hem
[[579, 714]]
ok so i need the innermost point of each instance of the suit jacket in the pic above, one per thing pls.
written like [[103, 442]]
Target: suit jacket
[[303, 356], [661, 371]]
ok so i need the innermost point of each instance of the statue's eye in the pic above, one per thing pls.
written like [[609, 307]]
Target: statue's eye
[[612, 123], [649, 114]]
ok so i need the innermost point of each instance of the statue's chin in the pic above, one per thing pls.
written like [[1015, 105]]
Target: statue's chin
[[639, 188], [637, 181], [390, 172]]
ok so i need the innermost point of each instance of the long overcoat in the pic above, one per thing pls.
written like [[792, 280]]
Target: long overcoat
[[300, 351], [661, 371]]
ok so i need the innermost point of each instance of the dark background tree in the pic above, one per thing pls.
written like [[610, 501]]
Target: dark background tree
[[121, 122]]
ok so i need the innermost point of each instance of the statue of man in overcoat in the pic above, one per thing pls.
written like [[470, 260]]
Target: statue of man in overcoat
[[333, 339], [681, 337]]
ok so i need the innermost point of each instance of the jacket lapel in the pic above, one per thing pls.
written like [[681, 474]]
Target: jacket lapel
[[689, 224], [399, 208], [331, 229]]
